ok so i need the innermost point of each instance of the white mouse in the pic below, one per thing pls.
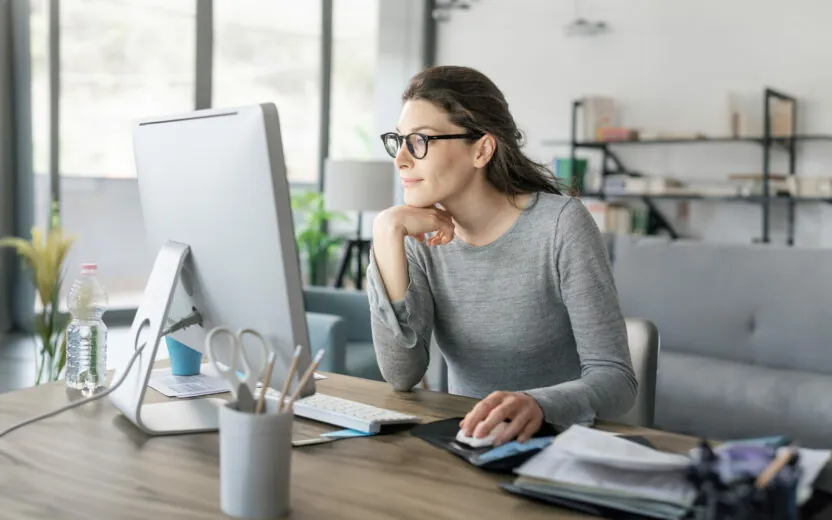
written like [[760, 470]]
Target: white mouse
[[488, 440]]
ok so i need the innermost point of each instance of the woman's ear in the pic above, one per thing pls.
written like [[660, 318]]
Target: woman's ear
[[484, 150]]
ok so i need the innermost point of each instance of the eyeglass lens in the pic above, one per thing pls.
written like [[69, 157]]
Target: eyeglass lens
[[416, 144]]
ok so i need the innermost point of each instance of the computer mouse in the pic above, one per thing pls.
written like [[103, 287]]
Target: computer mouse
[[488, 440]]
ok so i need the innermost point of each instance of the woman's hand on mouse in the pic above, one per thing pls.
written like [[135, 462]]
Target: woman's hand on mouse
[[525, 414], [418, 222]]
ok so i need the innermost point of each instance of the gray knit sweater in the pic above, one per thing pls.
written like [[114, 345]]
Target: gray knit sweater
[[535, 310]]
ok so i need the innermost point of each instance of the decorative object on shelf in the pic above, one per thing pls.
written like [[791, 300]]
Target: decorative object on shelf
[[358, 185], [617, 133], [315, 245], [810, 187], [599, 112], [44, 256], [751, 184]]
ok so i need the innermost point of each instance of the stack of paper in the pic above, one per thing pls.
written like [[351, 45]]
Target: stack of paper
[[600, 468]]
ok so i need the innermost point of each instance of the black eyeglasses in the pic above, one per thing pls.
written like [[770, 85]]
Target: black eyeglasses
[[417, 144]]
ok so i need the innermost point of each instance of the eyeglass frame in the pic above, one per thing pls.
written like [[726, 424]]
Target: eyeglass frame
[[428, 138]]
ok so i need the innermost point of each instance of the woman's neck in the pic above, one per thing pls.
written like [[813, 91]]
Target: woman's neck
[[482, 214]]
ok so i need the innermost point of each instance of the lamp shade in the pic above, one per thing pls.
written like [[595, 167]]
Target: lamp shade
[[353, 185]]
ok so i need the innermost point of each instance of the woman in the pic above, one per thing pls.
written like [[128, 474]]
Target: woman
[[510, 275]]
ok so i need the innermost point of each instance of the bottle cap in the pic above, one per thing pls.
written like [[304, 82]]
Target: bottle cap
[[89, 267]]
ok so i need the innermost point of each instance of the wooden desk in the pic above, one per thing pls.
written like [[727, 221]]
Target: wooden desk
[[90, 462]]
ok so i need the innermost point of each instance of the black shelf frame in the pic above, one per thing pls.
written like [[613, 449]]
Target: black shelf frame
[[657, 221]]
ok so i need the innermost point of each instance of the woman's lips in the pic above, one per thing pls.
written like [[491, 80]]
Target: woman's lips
[[410, 181]]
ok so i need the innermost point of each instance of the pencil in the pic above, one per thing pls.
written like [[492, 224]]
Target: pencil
[[305, 378], [262, 399], [289, 376], [774, 467]]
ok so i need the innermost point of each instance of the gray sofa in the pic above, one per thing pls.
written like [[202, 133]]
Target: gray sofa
[[339, 321], [746, 335]]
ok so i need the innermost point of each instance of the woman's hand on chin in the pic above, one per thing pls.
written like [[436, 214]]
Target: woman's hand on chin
[[419, 222]]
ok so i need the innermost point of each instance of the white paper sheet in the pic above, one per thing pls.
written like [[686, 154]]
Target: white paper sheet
[[207, 382], [163, 381], [565, 470], [592, 445]]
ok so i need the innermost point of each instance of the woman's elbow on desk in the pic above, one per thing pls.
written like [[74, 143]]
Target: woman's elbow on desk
[[401, 382], [621, 393]]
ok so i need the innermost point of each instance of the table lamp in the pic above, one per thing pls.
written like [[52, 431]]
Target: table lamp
[[358, 185]]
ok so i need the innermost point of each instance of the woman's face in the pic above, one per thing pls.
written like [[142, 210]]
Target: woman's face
[[449, 166]]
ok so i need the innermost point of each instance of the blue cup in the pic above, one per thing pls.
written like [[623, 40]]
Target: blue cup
[[184, 361]]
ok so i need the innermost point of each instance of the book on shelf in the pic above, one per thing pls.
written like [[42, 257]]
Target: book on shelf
[[620, 219]]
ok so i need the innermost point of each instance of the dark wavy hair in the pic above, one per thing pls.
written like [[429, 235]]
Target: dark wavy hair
[[474, 102]]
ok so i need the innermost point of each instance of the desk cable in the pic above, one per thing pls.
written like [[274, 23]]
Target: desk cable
[[82, 401], [192, 319]]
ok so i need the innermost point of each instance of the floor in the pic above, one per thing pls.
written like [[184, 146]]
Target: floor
[[17, 357]]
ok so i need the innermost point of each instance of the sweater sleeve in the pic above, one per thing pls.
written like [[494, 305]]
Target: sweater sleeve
[[607, 386], [401, 329]]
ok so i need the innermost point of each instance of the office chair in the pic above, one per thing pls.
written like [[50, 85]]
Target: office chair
[[643, 339]]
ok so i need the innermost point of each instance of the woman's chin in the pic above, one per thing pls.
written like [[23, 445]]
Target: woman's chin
[[418, 200]]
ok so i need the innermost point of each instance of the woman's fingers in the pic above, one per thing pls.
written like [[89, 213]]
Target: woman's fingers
[[531, 428], [519, 423]]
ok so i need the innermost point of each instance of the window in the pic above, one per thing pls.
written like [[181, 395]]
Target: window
[[120, 61], [352, 132], [271, 52]]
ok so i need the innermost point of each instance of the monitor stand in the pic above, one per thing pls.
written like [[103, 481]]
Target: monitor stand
[[169, 418]]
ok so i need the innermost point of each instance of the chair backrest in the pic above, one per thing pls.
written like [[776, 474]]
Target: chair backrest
[[643, 339]]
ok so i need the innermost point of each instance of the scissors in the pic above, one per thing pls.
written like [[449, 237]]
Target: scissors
[[241, 388]]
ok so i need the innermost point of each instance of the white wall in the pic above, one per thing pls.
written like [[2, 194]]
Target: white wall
[[670, 65]]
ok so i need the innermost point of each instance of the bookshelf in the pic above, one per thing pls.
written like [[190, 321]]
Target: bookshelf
[[611, 164]]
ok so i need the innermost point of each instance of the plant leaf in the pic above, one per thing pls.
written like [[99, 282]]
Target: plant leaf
[[23, 248]]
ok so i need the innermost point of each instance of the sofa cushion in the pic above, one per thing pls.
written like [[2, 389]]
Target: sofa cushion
[[767, 305], [724, 400]]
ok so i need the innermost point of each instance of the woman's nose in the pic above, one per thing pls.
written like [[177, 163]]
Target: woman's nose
[[403, 159]]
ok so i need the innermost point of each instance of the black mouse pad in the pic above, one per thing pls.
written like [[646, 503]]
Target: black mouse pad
[[500, 459], [443, 435]]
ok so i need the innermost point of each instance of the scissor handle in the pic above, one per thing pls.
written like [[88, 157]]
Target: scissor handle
[[229, 372], [251, 375]]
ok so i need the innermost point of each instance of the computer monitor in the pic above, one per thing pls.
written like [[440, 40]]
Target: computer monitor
[[216, 206]]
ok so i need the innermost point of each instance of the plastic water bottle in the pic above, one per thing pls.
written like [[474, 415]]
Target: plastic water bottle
[[86, 336]]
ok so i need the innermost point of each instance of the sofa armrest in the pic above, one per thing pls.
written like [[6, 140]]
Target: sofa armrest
[[328, 332], [352, 305]]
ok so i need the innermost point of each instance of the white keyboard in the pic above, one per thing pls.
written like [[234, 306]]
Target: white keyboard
[[345, 413]]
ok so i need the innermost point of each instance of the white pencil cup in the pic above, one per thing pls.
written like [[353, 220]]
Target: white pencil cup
[[255, 462]]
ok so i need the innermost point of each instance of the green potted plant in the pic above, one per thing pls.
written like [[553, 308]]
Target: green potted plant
[[44, 256], [314, 244]]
